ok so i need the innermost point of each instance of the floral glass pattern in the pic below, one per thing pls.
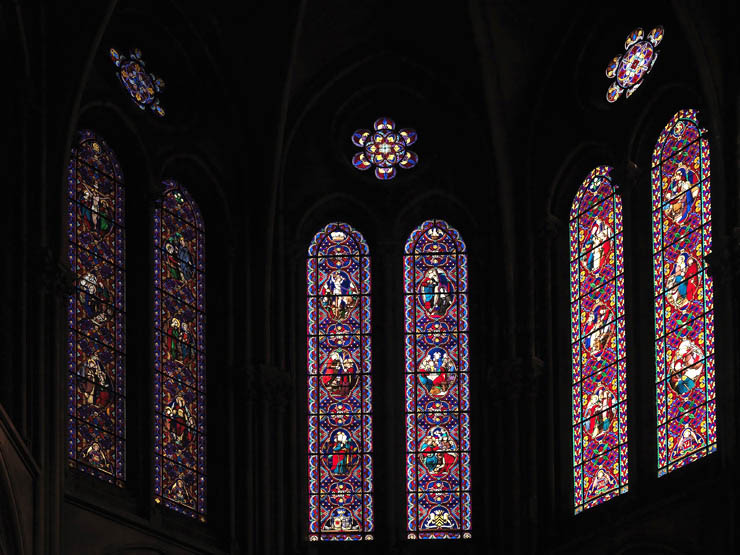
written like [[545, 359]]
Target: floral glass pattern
[[599, 386], [437, 383], [142, 85], [179, 354], [96, 348], [384, 148], [340, 441], [629, 69], [684, 309]]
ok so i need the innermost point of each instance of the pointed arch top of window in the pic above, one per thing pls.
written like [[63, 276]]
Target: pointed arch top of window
[[440, 237], [680, 132], [684, 297], [337, 239], [595, 188], [96, 401], [177, 200], [179, 353]]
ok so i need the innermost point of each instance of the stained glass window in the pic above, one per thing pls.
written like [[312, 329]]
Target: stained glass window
[[140, 84], [384, 148], [437, 383], [340, 442], [684, 311], [599, 388], [179, 354], [96, 349], [629, 69]]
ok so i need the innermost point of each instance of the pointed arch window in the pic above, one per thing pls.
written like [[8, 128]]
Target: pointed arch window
[[96, 348], [599, 388], [437, 384], [179, 353], [684, 310], [340, 443]]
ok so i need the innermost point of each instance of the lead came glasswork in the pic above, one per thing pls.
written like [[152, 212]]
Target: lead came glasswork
[[599, 390], [384, 148], [629, 69], [179, 354], [142, 85], [684, 310], [437, 383], [96, 348], [340, 441]]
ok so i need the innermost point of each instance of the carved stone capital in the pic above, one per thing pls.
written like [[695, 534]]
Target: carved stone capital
[[626, 177], [53, 276], [512, 377], [274, 384], [723, 263], [550, 227]]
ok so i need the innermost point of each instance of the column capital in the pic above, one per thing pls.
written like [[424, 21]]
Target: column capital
[[272, 383], [550, 227], [627, 176], [723, 263], [509, 378], [53, 276]]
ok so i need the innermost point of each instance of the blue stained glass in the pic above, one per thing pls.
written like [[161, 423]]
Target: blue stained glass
[[438, 484], [340, 462], [96, 348], [179, 354], [684, 294]]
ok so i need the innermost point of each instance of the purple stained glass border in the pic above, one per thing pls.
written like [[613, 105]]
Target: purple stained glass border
[[180, 442], [96, 348], [684, 294], [598, 346], [340, 444], [437, 391]]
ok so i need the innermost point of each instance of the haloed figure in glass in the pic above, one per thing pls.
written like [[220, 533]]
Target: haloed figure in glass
[[96, 428], [180, 380], [684, 298]]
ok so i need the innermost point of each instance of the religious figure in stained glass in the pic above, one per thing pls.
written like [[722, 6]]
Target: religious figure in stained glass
[[599, 390], [340, 469], [141, 85], [629, 69], [96, 348], [384, 148], [437, 384], [684, 310], [179, 353]]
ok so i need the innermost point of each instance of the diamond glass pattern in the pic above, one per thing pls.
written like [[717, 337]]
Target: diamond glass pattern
[[96, 347], [684, 309], [179, 354], [599, 390]]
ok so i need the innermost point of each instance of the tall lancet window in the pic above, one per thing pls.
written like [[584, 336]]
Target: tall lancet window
[[684, 312], [599, 388], [437, 385], [340, 441], [179, 354], [96, 348]]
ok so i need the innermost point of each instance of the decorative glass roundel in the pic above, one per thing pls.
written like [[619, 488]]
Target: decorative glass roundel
[[629, 69], [384, 148], [142, 85]]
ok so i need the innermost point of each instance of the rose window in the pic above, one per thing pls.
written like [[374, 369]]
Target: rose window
[[384, 148], [629, 69], [142, 85]]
